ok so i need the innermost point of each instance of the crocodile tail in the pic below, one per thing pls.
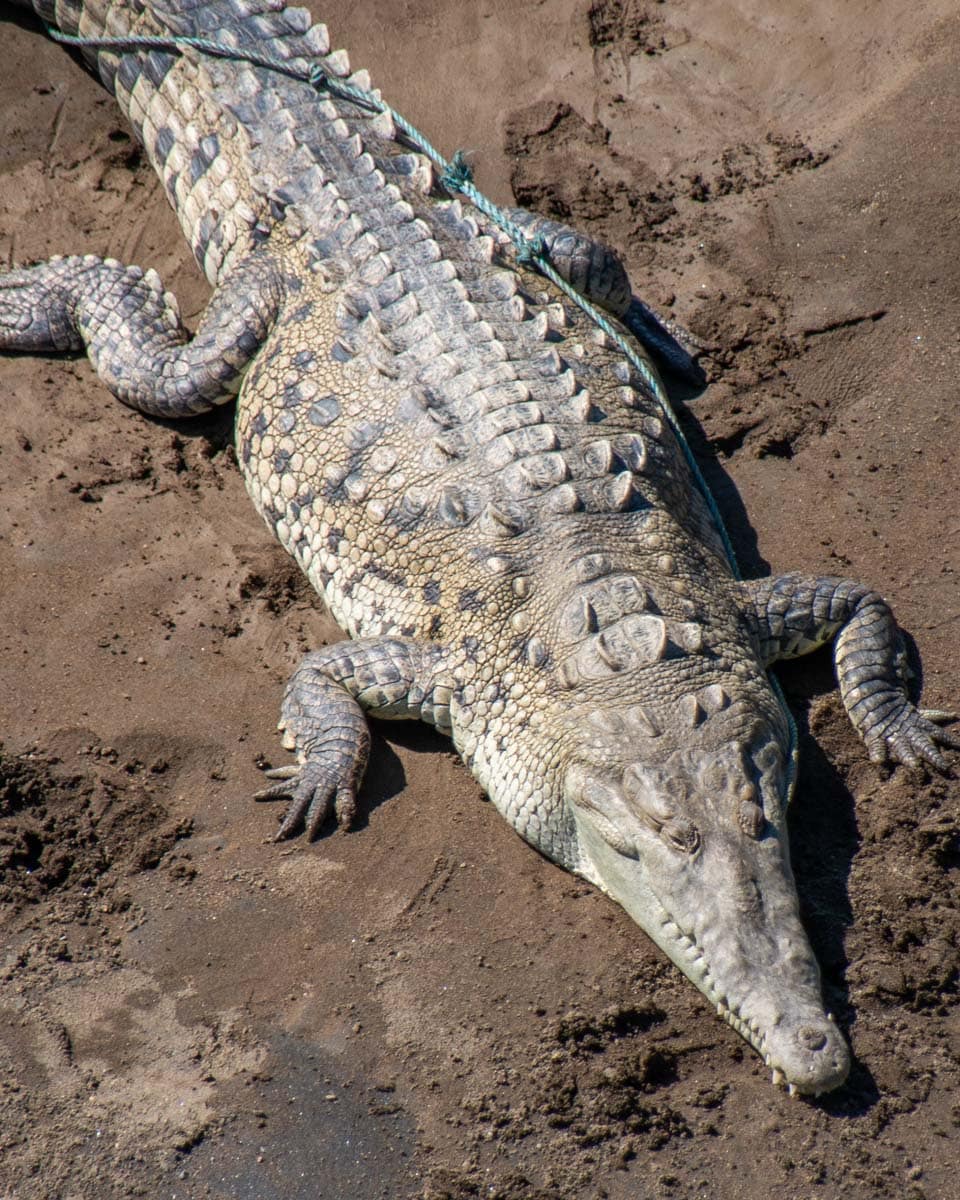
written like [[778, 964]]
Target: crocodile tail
[[221, 134]]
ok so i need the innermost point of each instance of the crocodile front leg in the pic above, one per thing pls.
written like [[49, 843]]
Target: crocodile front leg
[[322, 718], [131, 330], [794, 614]]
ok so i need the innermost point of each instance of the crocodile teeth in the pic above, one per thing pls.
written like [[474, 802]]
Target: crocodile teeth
[[779, 1077], [791, 1089]]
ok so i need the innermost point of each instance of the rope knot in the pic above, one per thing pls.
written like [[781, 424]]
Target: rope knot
[[530, 251], [457, 172]]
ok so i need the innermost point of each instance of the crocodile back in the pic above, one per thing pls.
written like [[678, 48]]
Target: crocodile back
[[447, 445]]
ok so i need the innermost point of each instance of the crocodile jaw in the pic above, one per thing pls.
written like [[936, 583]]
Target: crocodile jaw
[[773, 1000]]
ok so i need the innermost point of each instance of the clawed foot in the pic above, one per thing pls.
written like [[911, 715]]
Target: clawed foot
[[913, 736], [314, 792]]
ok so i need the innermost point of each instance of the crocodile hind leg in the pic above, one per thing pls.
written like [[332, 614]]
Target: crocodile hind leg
[[597, 272], [322, 718], [794, 614], [130, 328]]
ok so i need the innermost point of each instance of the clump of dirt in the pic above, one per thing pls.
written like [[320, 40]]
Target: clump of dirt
[[78, 832], [631, 23], [592, 1094], [563, 167], [747, 168]]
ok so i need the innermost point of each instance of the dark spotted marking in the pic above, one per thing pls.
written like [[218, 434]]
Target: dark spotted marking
[[210, 146], [469, 600], [431, 591], [207, 228], [170, 187], [281, 460], [248, 341], [304, 359], [200, 159], [324, 411], [259, 423], [395, 578], [128, 73], [273, 513], [303, 313], [156, 66], [165, 141]]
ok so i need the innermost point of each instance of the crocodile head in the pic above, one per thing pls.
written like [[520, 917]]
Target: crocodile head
[[695, 849]]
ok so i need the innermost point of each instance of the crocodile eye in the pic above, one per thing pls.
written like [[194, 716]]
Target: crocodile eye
[[681, 835]]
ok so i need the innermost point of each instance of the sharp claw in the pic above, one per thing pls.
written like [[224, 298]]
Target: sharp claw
[[293, 818], [914, 738], [276, 791], [935, 759], [291, 771], [317, 813], [346, 806], [877, 752], [938, 716]]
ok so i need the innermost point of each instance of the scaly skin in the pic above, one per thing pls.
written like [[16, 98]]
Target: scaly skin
[[490, 501]]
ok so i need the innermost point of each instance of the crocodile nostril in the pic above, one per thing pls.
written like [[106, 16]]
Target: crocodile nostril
[[810, 1038]]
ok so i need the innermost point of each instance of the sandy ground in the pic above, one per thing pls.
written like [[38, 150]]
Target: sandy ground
[[424, 1007]]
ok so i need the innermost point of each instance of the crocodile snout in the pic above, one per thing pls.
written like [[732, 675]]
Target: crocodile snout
[[810, 1057]]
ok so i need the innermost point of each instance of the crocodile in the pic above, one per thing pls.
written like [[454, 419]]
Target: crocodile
[[487, 492]]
